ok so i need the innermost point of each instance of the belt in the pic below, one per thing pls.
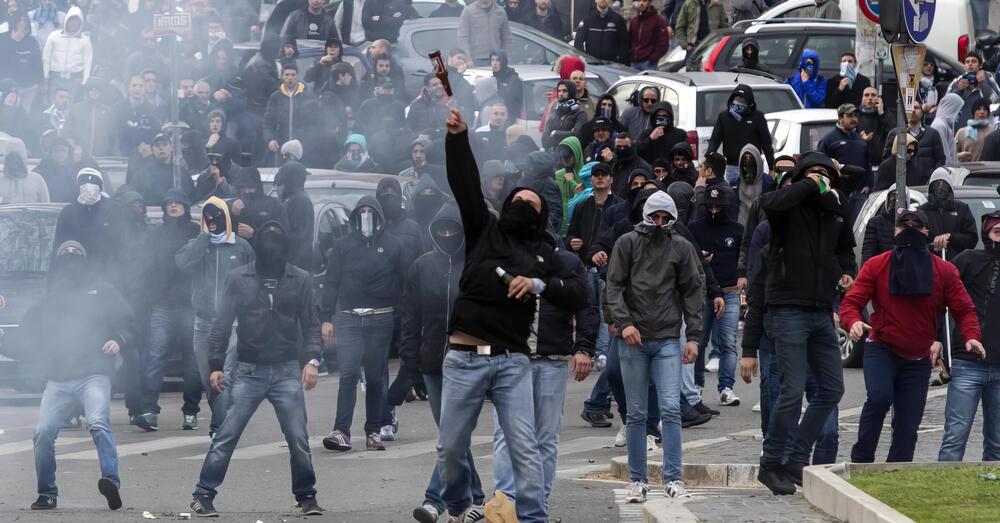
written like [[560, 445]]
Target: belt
[[482, 350], [368, 312], [550, 357]]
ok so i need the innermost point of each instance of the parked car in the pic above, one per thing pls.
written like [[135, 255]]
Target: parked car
[[699, 97], [951, 35], [539, 83], [981, 174], [426, 7], [799, 130]]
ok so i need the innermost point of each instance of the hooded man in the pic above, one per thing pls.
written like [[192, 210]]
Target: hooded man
[[260, 76], [566, 118], [215, 179], [364, 280], [288, 112], [171, 318], [950, 222], [90, 122], [290, 182], [909, 291], [219, 142], [131, 282], [77, 359], [17, 185], [626, 162], [570, 156], [253, 208], [68, 55], [319, 72], [848, 86], [356, 159], [658, 140], [879, 231], [510, 89], [812, 248], [809, 85], [652, 257], [59, 171], [679, 165], [427, 198], [971, 372], [277, 351], [508, 267], [208, 258], [751, 179], [537, 177], [741, 123], [96, 222], [750, 51], [430, 289], [945, 120], [390, 196]]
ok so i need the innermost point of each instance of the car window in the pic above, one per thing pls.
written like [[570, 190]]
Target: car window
[[443, 39], [769, 100], [830, 47], [525, 51], [621, 92], [26, 240], [806, 11], [812, 133], [774, 50], [983, 180]]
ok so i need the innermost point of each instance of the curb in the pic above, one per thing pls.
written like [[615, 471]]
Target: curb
[[737, 475], [667, 510], [825, 488]]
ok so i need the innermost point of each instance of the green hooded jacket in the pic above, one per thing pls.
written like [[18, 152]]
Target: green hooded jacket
[[568, 187]]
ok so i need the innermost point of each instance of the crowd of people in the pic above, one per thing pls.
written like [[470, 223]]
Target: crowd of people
[[495, 266]]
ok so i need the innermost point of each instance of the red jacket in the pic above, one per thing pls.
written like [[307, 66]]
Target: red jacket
[[909, 324], [648, 38]]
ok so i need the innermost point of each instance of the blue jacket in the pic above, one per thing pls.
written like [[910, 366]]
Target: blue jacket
[[812, 92]]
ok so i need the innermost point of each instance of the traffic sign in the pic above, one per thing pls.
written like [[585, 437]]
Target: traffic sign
[[918, 15], [172, 23], [869, 8], [908, 60]]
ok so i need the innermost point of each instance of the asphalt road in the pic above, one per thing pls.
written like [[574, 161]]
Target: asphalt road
[[159, 469]]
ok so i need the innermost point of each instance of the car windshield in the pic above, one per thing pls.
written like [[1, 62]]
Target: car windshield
[[346, 197], [812, 133], [26, 240], [769, 100], [983, 179]]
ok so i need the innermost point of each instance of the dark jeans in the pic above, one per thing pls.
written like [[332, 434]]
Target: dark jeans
[[281, 384], [614, 371], [803, 339], [600, 395], [894, 382], [432, 496], [170, 330], [362, 341]]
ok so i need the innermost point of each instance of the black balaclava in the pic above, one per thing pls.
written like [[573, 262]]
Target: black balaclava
[[249, 177], [68, 270], [719, 199], [290, 179], [940, 194], [910, 268], [271, 250], [214, 217], [390, 198], [519, 218], [453, 243], [426, 204]]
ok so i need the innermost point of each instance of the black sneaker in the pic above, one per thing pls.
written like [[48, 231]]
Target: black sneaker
[[776, 479], [595, 420], [309, 507], [148, 422], [694, 418], [109, 490], [705, 409], [44, 503], [794, 471], [337, 440], [607, 414], [203, 508]]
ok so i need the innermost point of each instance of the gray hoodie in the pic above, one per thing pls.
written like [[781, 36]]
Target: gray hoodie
[[655, 280], [944, 123], [751, 179], [17, 185]]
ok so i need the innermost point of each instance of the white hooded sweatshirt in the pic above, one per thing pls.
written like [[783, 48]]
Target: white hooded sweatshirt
[[68, 54]]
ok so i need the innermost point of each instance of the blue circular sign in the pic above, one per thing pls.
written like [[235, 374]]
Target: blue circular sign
[[869, 8], [918, 15]]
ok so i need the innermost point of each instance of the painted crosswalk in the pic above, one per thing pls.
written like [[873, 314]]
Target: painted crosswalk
[[27, 445]]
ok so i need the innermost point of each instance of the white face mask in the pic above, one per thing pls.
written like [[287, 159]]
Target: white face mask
[[367, 224], [90, 193]]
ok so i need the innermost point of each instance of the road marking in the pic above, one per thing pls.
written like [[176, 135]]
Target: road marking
[[26, 445], [585, 444], [393, 451], [409, 450], [145, 446]]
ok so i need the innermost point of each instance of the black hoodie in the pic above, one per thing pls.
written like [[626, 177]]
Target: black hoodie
[[586, 134], [652, 150], [259, 208], [363, 272], [428, 295], [510, 89], [980, 272], [167, 285], [401, 226], [565, 118], [733, 134], [752, 61], [539, 177], [425, 201], [482, 309], [260, 76], [291, 178]]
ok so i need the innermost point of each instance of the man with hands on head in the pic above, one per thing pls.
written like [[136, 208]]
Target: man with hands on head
[[273, 303], [909, 289]]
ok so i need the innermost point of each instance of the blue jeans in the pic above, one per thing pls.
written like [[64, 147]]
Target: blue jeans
[[981, 15], [597, 287], [802, 339], [770, 381], [600, 395], [432, 496], [659, 360], [828, 441], [166, 325], [59, 400], [643, 66], [894, 382], [467, 380], [281, 384], [217, 401], [549, 389], [722, 333], [971, 381], [614, 372], [362, 341]]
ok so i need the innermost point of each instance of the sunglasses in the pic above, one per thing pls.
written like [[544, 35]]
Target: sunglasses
[[649, 100], [600, 174]]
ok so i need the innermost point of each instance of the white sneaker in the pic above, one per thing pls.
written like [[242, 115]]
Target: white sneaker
[[636, 492], [474, 513], [676, 489], [728, 398], [426, 514], [712, 365], [755, 408], [650, 442], [622, 437], [386, 433]]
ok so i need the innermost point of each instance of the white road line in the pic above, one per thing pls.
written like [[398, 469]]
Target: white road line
[[393, 450], [145, 446], [26, 445], [585, 444], [408, 450]]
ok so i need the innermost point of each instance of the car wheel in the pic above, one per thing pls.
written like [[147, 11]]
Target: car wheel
[[851, 353]]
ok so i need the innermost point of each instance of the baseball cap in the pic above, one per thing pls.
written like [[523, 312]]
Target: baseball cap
[[846, 109], [162, 137], [914, 215], [601, 123]]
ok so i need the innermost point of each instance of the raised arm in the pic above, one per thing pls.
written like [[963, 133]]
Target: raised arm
[[463, 178]]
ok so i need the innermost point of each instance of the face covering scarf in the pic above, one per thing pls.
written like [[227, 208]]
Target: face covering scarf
[[737, 109], [910, 270], [367, 224], [90, 193]]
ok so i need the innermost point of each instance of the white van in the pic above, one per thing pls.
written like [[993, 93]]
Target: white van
[[951, 35]]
